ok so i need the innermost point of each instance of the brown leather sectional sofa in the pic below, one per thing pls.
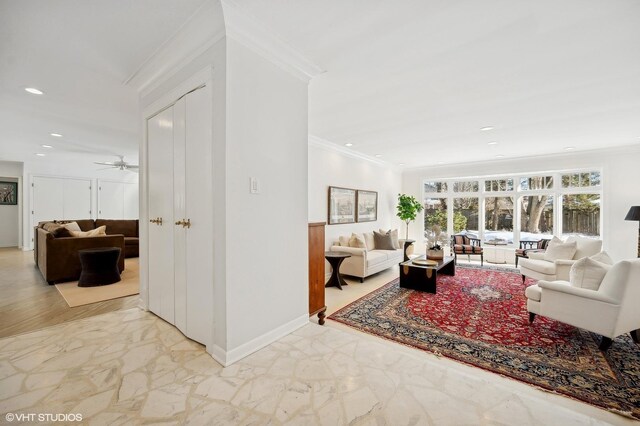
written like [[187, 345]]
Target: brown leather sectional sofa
[[57, 258]]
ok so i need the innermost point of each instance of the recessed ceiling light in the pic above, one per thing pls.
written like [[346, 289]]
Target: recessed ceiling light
[[47, 146], [499, 156], [401, 164], [56, 135], [493, 143], [39, 154], [440, 162], [348, 144], [378, 155], [570, 148], [486, 128], [34, 91]]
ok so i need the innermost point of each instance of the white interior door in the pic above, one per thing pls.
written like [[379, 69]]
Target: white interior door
[[48, 199], [180, 231], [160, 202], [77, 199], [199, 209], [131, 201], [110, 200]]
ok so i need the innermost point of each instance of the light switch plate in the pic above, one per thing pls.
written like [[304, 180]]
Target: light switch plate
[[254, 186]]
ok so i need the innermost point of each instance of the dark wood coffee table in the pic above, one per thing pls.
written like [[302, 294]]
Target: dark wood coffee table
[[423, 278]]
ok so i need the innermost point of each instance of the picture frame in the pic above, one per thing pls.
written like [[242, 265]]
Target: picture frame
[[8, 193], [342, 205], [367, 202]]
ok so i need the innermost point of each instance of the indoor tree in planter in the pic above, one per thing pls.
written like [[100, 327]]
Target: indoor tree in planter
[[408, 208]]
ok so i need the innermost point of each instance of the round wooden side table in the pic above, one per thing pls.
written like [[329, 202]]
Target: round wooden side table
[[335, 259]]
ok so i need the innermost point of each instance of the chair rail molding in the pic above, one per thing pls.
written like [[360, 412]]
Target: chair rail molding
[[254, 35]]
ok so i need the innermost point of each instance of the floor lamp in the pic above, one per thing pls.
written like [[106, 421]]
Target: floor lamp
[[634, 214]]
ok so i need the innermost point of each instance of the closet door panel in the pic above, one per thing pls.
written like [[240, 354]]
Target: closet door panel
[[110, 200], [199, 209], [160, 193], [131, 201], [77, 199], [179, 231], [48, 196]]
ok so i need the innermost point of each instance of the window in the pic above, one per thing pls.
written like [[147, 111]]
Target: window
[[435, 213], [536, 217], [465, 214], [468, 186], [435, 187], [581, 215], [581, 180], [498, 219], [498, 185], [536, 182]]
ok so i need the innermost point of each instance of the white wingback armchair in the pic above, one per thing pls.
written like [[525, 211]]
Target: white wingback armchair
[[538, 268], [610, 311]]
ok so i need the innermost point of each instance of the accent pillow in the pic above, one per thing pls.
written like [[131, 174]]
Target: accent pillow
[[587, 273], [343, 241], [602, 257], [101, 230], [369, 241], [559, 250], [72, 226], [394, 236], [58, 231], [357, 241], [383, 241]]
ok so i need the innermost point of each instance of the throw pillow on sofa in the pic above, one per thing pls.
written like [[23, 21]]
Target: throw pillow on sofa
[[58, 231], [383, 241], [343, 241], [357, 241], [101, 230], [588, 273], [557, 250], [72, 226], [394, 236], [602, 257]]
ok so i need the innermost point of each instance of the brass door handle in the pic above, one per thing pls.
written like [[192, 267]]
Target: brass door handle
[[157, 221], [186, 223]]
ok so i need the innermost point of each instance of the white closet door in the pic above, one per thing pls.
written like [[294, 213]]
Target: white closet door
[[131, 201], [199, 209], [180, 232], [48, 199], [77, 199], [160, 193], [110, 200]]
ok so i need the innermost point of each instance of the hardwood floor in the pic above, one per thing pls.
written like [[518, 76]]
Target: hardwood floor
[[28, 303]]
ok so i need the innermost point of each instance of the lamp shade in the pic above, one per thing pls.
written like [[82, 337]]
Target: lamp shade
[[634, 213]]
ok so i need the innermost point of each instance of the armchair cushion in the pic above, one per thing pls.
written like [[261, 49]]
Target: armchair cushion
[[588, 273], [557, 251], [533, 292], [585, 246], [602, 257]]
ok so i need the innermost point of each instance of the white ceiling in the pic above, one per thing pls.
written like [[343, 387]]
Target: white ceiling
[[414, 81]]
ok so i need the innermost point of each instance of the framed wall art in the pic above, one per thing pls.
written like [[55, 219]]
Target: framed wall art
[[367, 206], [8, 193], [342, 205]]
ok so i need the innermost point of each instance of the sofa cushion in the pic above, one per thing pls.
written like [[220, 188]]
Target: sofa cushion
[[357, 241], [92, 233], [84, 224], [602, 257], [72, 226], [128, 228], [383, 241], [588, 273], [369, 241], [129, 241], [559, 250], [343, 241], [540, 266], [57, 230], [585, 246], [375, 257], [394, 237], [533, 292]]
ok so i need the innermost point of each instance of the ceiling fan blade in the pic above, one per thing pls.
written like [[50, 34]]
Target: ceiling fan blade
[[131, 166], [104, 163]]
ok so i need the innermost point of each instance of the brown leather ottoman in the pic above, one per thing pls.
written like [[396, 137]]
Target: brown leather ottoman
[[99, 266]]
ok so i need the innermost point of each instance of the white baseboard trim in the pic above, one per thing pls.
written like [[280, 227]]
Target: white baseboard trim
[[226, 358]]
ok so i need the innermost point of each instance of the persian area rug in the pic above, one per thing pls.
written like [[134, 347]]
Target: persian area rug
[[479, 317], [128, 285]]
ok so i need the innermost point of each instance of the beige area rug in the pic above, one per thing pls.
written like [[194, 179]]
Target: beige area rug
[[128, 285]]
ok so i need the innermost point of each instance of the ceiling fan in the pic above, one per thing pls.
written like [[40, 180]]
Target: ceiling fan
[[121, 164]]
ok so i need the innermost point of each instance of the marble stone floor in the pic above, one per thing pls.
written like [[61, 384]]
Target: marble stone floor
[[129, 367]]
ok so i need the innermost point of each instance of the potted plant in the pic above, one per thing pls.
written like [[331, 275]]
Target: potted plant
[[408, 208], [436, 239]]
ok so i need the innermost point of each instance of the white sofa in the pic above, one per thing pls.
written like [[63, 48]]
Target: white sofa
[[610, 311], [538, 268], [368, 261]]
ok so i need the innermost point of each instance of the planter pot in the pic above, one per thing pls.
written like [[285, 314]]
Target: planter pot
[[435, 254]]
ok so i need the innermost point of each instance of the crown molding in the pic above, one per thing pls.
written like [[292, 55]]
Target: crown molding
[[199, 33], [252, 34], [318, 142]]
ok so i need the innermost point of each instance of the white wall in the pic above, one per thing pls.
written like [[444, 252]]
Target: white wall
[[11, 216], [330, 167], [267, 291], [620, 177]]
